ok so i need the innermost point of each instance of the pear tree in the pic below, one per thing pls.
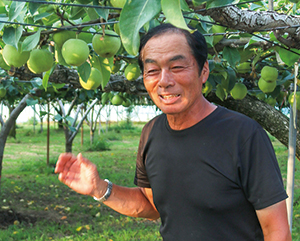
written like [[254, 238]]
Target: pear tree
[[242, 39]]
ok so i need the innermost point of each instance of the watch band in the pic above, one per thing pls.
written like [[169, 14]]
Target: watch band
[[107, 193]]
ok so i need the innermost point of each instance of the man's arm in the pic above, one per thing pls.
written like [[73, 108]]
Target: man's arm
[[82, 176], [274, 222]]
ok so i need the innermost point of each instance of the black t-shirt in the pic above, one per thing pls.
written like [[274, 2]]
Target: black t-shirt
[[209, 179]]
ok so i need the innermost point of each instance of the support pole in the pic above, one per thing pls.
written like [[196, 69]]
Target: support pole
[[292, 152]]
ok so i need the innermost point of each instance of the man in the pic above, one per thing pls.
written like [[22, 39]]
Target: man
[[207, 172]]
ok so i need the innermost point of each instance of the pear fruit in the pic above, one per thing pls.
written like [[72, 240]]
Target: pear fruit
[[291, 99], [271, 101], [126, 102], [118, 3], [117, 99], [14, 57], [104, 98], [244, 68], [132, 72], [269, 74], [266, 87], [94, 80], [40, 60], [75, 52], [3, 64], [62, 36], [239, 91], [106, 46]]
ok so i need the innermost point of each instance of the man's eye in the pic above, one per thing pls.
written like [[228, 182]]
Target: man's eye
[[151, 71], [177, 68]]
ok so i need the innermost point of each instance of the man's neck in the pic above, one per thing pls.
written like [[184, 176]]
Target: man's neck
[[184, 121]]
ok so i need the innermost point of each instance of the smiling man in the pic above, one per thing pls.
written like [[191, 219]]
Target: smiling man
[[207, 172]]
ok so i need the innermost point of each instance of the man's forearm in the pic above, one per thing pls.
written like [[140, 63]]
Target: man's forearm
[[131, 202]]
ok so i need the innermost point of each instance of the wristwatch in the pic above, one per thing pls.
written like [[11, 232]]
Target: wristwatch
[[107, 193]]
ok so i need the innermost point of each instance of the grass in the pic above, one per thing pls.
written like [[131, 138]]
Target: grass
[[42, 208]]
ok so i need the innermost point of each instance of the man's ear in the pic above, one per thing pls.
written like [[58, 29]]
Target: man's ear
[[205, 72]]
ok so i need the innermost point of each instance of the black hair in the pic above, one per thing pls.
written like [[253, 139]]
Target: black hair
[[195, 40]]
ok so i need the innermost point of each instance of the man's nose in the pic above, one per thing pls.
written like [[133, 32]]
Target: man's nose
[[166, 79]]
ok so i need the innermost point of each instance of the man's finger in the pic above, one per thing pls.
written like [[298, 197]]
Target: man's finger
[[64, 162]]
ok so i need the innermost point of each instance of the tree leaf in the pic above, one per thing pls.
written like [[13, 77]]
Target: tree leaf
[[103, 13], [31, 41], [15, 9], [134, 15], [172, 11], [12, 36], [58, 117], [32, 6], [4, 19], [184, 5], [57, 86], [104, 65], [84, 71], [220, 92], [218, 3], [198, 2], [31, 102], [288, 57], [232, 55]]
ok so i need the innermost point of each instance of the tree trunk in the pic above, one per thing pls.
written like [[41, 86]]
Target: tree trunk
[[8, 125], [12, 132], [69, 146]]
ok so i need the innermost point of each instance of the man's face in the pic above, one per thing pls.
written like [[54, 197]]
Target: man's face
[[171, 74]]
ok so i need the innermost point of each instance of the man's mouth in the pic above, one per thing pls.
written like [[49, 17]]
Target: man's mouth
[[166, 97]]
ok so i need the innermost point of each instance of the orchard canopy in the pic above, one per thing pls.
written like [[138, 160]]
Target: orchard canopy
[[93, 45]]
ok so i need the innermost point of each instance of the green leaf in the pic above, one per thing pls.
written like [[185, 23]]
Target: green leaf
[[31, 41], [103, 13], [41, 16], [172, 11], [91, 12], [70, 119], [288, 57], [84, 71], [198, 2], [106, 65], [232, 55], [12, 36], [15, 9], [4, 19], [57, 86], [58, 117], [231, 78], [218, 3], [47, 76], [184, 5], [31, 101], [33, 7], [220, 92], [134, 15]]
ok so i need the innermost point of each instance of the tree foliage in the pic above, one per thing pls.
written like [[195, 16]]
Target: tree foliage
[[242, 37]]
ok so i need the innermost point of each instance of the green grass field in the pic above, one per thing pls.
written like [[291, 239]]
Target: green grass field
[[36, 206]]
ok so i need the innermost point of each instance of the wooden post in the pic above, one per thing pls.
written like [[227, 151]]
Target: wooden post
[[48, 132]]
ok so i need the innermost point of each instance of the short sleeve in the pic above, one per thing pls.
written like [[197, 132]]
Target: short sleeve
[[259, 171], [141, 178]]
